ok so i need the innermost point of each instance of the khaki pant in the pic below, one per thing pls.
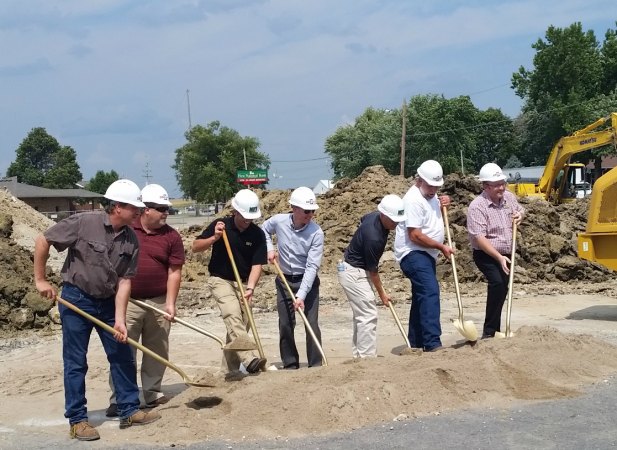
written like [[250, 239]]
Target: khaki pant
[[154, 330], [236, 322], [359, 292]]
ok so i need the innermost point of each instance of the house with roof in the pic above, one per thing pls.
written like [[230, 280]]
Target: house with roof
[[54, 203], [322, 187]]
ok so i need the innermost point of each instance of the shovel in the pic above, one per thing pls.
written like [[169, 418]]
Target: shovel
[[234, 345], [135, 344], [247, 307], [508, 332], [465, 327], [304, 319], [398, 323]]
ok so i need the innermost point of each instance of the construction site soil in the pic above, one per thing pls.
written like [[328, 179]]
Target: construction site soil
[[550, 357]]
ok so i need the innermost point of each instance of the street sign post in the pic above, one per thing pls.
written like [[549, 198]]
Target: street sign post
[[248, 177]]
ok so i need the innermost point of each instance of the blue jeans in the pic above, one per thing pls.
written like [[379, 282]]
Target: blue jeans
[[76, 331], [424, 326]]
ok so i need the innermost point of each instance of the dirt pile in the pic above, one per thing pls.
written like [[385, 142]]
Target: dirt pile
[[21, 307]]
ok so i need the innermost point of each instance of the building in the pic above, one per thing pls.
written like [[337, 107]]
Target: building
[[54, 203], [322, 187]]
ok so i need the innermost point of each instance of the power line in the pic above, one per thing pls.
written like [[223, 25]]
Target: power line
[[300, 160]]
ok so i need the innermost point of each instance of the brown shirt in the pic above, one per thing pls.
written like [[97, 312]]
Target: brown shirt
[[97, 256]]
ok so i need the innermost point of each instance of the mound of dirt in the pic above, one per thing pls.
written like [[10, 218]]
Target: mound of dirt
[[539, 364]]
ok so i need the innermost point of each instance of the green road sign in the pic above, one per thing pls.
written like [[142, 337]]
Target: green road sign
[[252, 176]]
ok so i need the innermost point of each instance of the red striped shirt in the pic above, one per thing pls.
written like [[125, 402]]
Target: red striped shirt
[[493, 221], [157, 251]]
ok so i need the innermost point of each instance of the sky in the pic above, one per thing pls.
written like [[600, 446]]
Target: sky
[[120, 80]]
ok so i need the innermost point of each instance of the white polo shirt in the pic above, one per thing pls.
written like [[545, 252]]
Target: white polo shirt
[[419, 213]]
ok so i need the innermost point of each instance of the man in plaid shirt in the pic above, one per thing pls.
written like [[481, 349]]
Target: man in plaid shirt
[[489, 224]]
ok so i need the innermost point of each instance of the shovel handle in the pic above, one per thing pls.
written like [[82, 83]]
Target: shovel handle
[[511, 280], [304, 319], [398, 324], [247, 307], [177, 319], [131, 342], [457, 287]]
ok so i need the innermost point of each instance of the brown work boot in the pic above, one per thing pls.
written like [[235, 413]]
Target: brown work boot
[[139, 418], [83, 431]]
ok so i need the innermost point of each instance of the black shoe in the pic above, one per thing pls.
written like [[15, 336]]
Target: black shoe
[[256, 365], [291, 367], [435, 349], [112, 411], [158, 402]]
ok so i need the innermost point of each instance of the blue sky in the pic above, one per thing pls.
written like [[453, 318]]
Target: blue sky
[[110, 77]]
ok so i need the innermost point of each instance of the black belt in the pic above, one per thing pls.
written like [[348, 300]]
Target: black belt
[[294, 278]]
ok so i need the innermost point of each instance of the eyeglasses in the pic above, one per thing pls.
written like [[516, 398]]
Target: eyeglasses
[[309, 211], [162, 209]]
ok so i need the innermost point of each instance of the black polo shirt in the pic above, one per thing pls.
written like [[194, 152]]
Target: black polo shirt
[[248, 248], [367, 244]]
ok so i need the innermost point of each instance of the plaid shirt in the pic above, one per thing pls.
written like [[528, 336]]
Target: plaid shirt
[[493, 221]]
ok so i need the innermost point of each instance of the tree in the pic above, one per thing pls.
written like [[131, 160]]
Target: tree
[[570, 86], [373, 139], [41, 161], [438, 128], [206, 166], [101, 181]]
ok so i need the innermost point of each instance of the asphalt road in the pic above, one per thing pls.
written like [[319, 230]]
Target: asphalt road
[[585, 422]]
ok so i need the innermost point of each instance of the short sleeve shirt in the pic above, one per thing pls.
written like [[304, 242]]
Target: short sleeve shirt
[[368, 243], [248, 248], [158, 250], [97, 255]]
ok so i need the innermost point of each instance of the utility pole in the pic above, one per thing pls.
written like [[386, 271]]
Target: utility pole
[[244, 152], [188, 104], [404, 115], [147, 173], [462, 168]]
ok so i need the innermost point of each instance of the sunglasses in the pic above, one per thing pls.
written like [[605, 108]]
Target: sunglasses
[[161, 209], [309, 211]]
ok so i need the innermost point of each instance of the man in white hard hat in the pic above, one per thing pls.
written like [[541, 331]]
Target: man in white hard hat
[[248, 245], [489, 224], [300, 250], [157, 282], [419, 240], [359, 272], [102, 258]]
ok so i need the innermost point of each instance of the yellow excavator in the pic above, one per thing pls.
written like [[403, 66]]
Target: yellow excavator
[[599, 241], [563, 180]]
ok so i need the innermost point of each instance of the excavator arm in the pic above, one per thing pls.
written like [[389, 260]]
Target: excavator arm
[[579, 141]]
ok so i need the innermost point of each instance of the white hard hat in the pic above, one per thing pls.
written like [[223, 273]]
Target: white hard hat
[[304, 198], [155, 193], [431, 172], [124, 191], [392, 206], [491, 172], [246, 203]]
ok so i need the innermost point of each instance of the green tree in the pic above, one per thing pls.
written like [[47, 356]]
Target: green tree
[[42, 161], [373, 139], [571, 85], [440, 129], [206, 165], [101, 181]]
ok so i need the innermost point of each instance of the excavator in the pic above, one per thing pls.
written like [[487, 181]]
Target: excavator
[[562, 180], [599, 241]]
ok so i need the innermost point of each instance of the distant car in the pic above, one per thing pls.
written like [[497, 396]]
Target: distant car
[[173, 210]]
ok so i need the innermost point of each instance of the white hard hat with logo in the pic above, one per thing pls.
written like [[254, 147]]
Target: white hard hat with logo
[[304, 198], [246, 203], [431, 172], [155, 193], [491, 172], [392, 206], [124, 191]]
